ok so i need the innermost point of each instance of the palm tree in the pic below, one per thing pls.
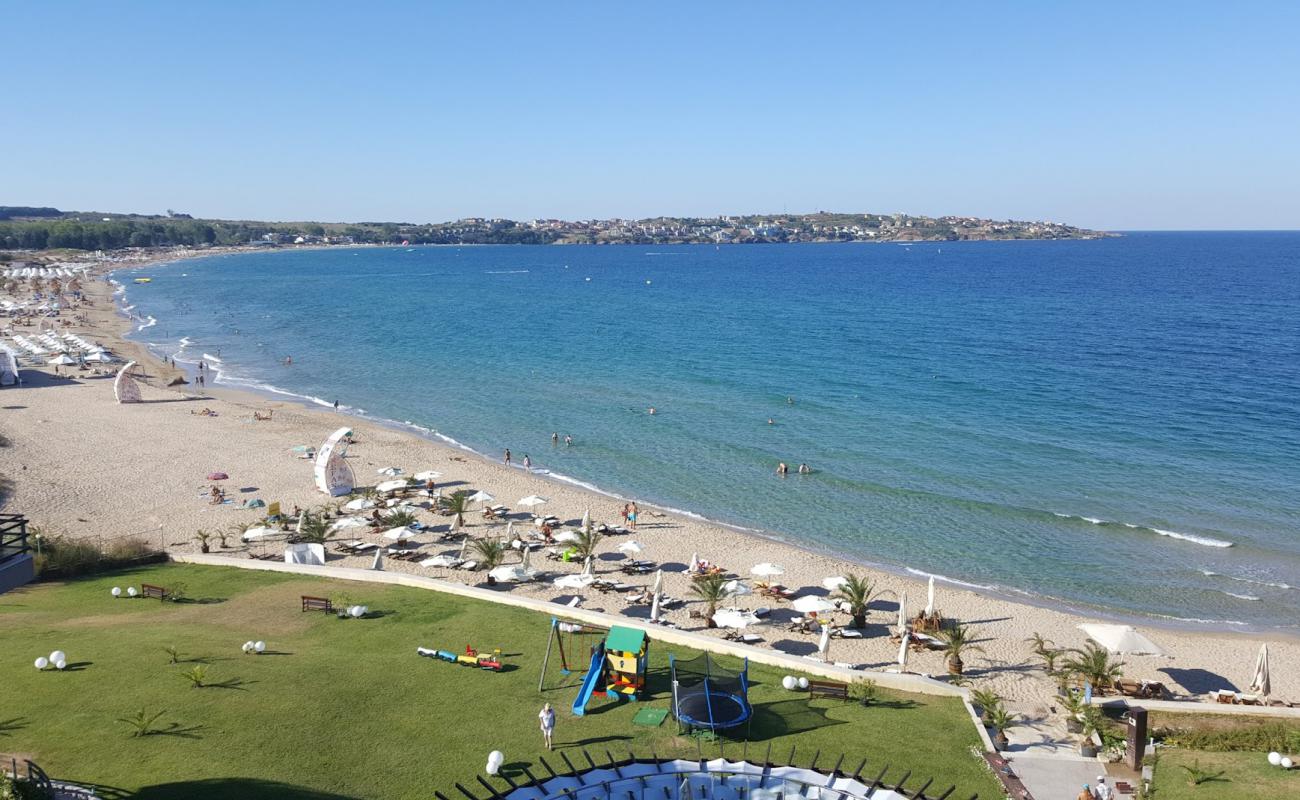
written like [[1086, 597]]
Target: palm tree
[[957, 640], [458, 504], [857, 591], [1094, 664], [491, 552], [401, 519], [999, 719], [586, 543], [203, 537], [712, 589], [314, 530], [987, 700]]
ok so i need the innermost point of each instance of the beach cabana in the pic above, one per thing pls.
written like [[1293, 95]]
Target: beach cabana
[[1121, 639], [333, 475]]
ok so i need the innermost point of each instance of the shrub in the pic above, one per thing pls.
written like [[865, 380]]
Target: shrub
[[63, 557], [141, 722], [1242, 736], [864, 691], [195, 675]]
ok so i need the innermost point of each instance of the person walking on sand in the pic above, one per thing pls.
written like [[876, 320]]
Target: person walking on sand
[[506, 457], [1086, 794], [547, 719], [1102, 791]]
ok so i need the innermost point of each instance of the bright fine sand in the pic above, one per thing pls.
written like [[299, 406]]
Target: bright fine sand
[[83, 465]]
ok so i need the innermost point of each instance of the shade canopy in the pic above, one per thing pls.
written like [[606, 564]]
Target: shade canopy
[[391, 486], [399, 534], [834, 583], [349, 522], [767, 570], [580, 581], [533, 500], [735, 588], [566, 536], [632, 547], [254, 534], [481, 497], [360, 504], [62, 361], [1121, 639]]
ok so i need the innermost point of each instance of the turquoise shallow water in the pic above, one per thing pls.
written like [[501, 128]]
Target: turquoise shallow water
[[1090, 422]]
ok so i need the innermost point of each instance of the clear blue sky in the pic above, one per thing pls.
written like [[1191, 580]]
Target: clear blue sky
[[1114, 115]]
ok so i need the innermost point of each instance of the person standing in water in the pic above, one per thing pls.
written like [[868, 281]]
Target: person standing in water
[[506, 458], [568, 440], [555, 438], [782, 469], [547, 719], [528, 462]]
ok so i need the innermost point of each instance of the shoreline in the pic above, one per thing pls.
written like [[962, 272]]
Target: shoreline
[[138, 470], [268, 393]]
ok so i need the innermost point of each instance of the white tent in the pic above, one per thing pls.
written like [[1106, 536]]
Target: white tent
[[62, 361], [1121, 639]]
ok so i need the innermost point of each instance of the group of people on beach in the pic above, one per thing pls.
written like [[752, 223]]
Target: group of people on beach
[[628, 513]]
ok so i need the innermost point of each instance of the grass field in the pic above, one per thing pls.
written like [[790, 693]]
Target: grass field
[[345, 709], [1246, 776]]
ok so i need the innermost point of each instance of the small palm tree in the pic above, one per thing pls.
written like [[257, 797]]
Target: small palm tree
[[1000, 720], [987, 700], [458, 504], [586, 543], [957, 640], [195, 675], [202, 537], [857, 591], [1093, 663], [314, 529], [712, 589], [490, 552], [142, 721], [401, 519]]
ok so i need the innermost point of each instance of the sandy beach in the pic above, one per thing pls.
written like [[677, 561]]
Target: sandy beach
[[82, 465]]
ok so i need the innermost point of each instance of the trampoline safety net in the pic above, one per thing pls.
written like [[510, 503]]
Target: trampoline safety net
[[708, 695]]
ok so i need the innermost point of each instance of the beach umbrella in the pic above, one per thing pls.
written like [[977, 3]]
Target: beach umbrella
[[254, 534], [455, 524], [767, 570], [735, 618], [654, 608], [427, 475], [506, 573], [302, 517], [349, 522], [833, 584], [586, 519], [694, 566], [902, 613], [360, 504], [510, 530], [391, 472], [929, 603], [439, 561], [566, 536], [99, 357], [1121, 639], [589, 566], [464, 546], [218, 476], [533, 500], [902, 654], [809, 604], [1259, 684], [391, 486], [62, 361], [824, 645], [659, 581], [481, 497], [631, 547], [399, 534], [526, 562], [735, 588], [580, 581], [378, 563]]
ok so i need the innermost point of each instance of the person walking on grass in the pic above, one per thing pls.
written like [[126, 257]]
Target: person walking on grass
[[547, 719]]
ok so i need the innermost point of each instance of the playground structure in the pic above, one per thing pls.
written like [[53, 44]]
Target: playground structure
[[707, 696], [470, 658], [616, 667]]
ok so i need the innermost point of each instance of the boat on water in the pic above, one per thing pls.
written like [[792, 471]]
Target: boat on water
[[144, 280]]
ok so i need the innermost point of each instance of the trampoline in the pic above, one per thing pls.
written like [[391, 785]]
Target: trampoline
[[708, 696]]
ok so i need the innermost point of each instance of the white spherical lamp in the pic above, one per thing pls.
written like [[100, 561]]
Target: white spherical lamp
[[492, 768], [131, 591], [247, 647], [259, 646], [1287, 763], [117, 591], [42, 662], [357, 612], [61, 663], [790, 682], [803, 683], [1275, 759], [57, 656], [496, 757]]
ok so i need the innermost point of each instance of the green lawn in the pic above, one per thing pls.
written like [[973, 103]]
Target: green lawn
[[344, 709], [1246, 776]]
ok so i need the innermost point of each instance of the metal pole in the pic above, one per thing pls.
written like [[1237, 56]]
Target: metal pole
[[547, 658]]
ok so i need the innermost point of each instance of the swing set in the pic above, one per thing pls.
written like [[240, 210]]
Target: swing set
[[560, 630]]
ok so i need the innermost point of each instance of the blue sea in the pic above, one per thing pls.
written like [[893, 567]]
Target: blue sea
[[1109, 424]]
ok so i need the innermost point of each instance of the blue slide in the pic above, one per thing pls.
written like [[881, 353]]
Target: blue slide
[[589, 682]]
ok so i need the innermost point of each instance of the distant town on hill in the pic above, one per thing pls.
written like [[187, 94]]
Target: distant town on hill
[[30, 228]]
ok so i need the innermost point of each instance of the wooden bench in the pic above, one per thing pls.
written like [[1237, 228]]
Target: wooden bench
[[149, 590], [317, 604], [828, 689]]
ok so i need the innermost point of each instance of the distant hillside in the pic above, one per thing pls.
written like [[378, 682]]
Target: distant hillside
[[43, 228]]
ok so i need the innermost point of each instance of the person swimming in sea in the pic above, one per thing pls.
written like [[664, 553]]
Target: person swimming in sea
[[652, 411], [782, 469], [804, 469]]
